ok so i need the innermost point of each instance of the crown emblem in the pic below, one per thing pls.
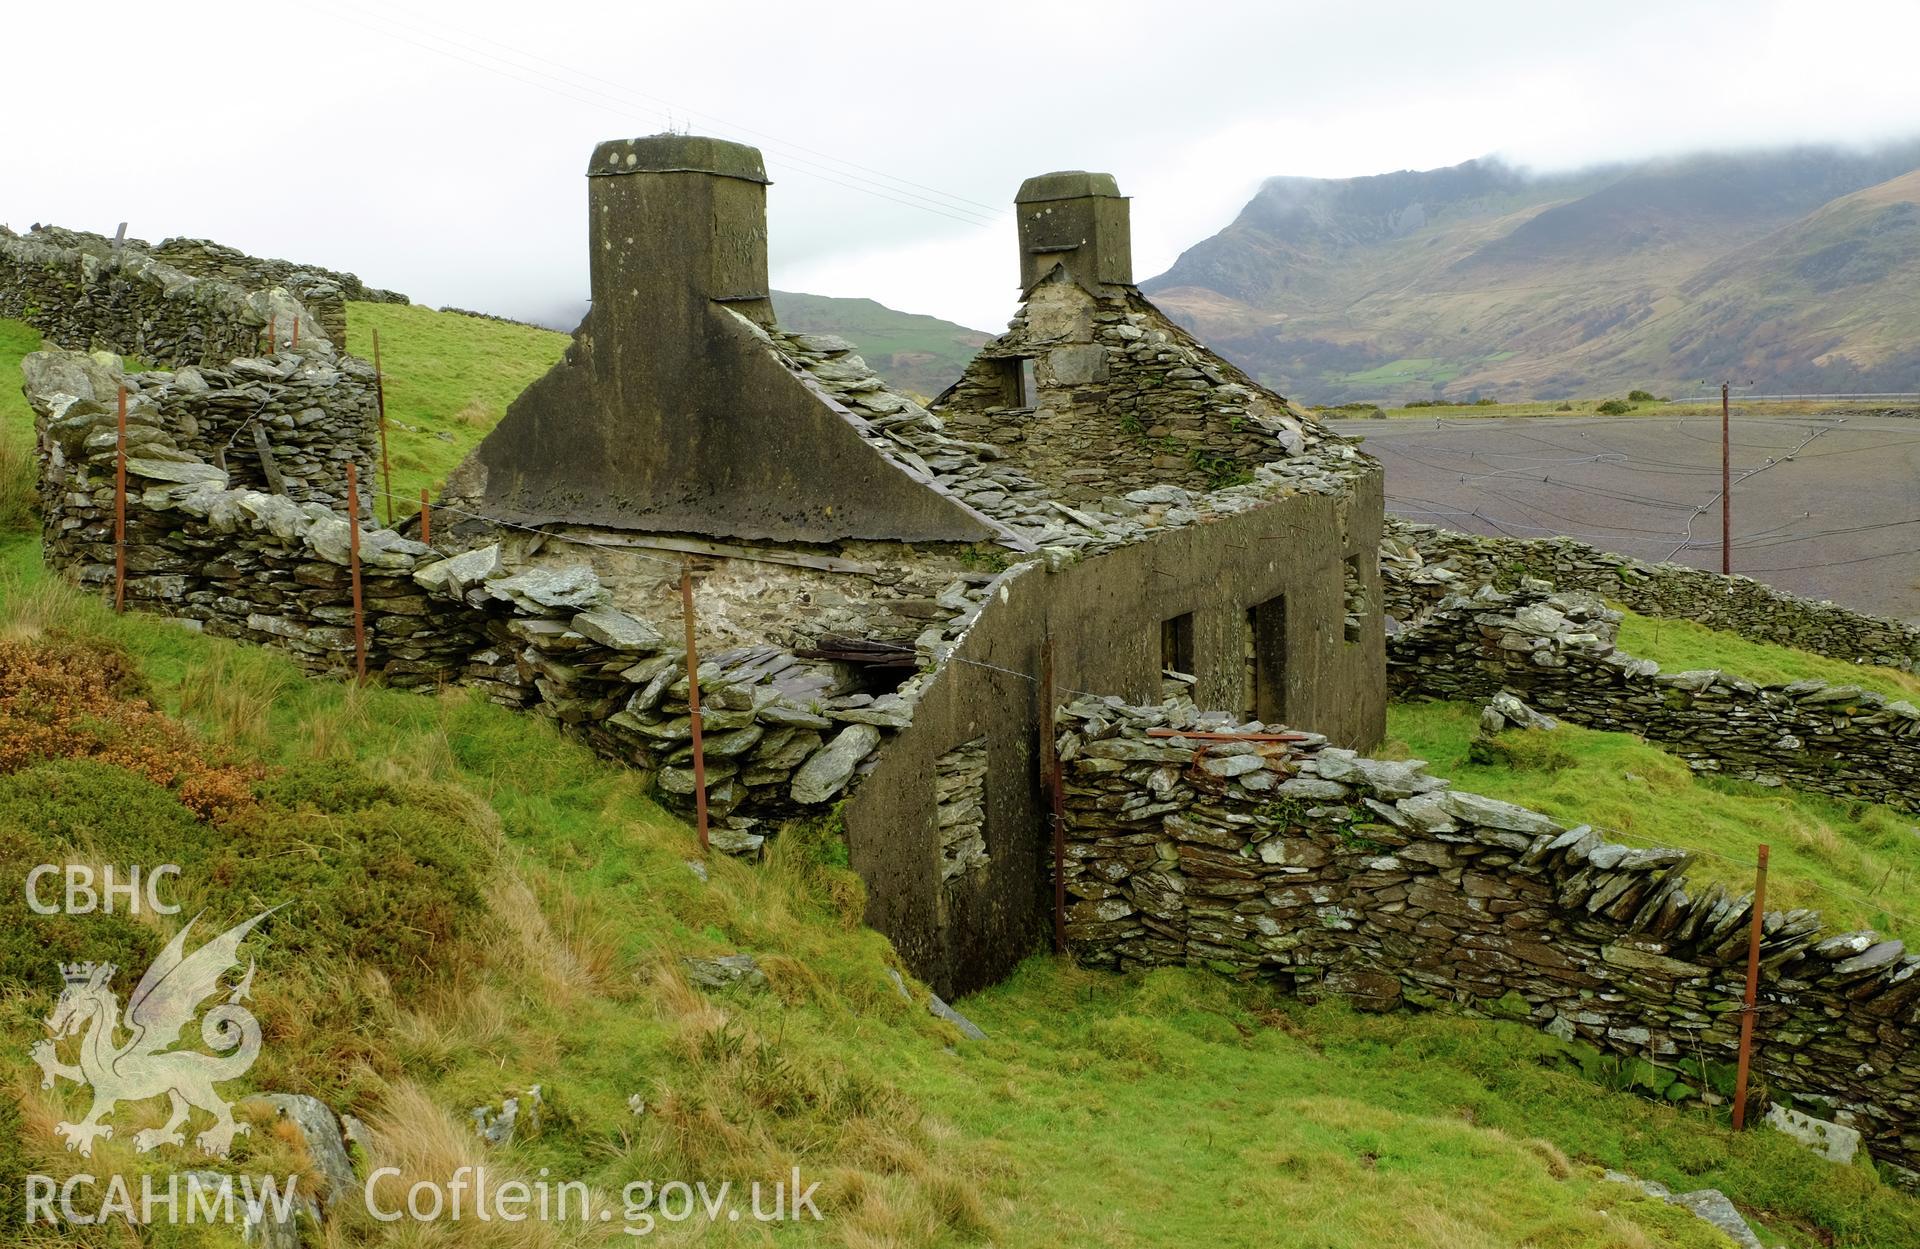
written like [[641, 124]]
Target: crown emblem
[[83, 973]]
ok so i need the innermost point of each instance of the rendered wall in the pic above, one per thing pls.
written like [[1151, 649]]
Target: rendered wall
[[669, 413], [1104, 616]]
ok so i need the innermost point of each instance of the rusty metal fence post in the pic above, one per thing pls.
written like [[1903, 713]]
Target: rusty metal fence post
[[353, 565], [426, 518], [1753, 993], [120, 507], [693, 707]]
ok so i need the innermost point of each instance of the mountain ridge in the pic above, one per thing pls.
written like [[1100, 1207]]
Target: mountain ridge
[[1481, 278]]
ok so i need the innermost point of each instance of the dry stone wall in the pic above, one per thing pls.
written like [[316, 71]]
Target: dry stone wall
[[1337, 874], [324, 291], [287, 423], [82, 294], [1424, 564], [783, 736], [1556, 652]]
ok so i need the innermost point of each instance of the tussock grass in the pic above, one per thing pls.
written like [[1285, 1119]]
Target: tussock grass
[[19, 472], [1679, 645], [19, 481], [1857, 863]]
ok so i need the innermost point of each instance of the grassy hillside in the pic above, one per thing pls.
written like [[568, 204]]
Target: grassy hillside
[[449, 379], [1679, 645], [18, 473], [915, 352], [1794, 269], [477, 905], [1858, 863], [531, 912]]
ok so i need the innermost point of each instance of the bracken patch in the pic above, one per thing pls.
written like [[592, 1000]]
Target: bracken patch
[[67, 699]]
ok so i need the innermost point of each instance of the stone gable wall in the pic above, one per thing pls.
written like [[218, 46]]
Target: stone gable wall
[[1556, 651], [1336, 874], [1124, 401], [1424, 564]]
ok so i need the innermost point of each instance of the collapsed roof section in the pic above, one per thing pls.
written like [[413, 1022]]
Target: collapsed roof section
[[1094, 392]]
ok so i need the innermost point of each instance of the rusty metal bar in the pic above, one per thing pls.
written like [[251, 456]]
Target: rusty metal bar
[[273, 335], [269, 467], [1050, 773], [426, 518], [353, 564], [380, 407], [120, 508], [1726, 481], [1198, 736], [1753, 994], [295, 345], [693, 707]]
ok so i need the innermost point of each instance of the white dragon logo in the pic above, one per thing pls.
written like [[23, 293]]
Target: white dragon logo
[[163, 1003]]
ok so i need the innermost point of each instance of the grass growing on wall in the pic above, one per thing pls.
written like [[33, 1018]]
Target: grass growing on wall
[[1857, 863], [1679, 645], [449, 379], [1174, 1107]]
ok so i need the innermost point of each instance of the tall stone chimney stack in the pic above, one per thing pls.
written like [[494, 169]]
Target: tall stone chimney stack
[[673, 411], [677, 218], [1077, 219]]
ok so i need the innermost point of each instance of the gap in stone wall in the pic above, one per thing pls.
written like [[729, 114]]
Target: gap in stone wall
[[1358, 607], [1266, 649], [960, 793], [1177, 656]]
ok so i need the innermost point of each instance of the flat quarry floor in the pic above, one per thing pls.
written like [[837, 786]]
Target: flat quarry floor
[[1825, 506]]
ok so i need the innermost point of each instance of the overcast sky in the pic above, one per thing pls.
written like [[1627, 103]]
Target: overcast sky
[[439, 148]]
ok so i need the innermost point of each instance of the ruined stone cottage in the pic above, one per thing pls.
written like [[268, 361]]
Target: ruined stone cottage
[[879, 586], [1099, 484]]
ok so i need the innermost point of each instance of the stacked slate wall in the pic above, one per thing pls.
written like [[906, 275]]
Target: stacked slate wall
[[85, 298], [324, 291], [1333, 873], [1122, 400], [287, 423], [1556, 651], [1424, 564], [783, 735]]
